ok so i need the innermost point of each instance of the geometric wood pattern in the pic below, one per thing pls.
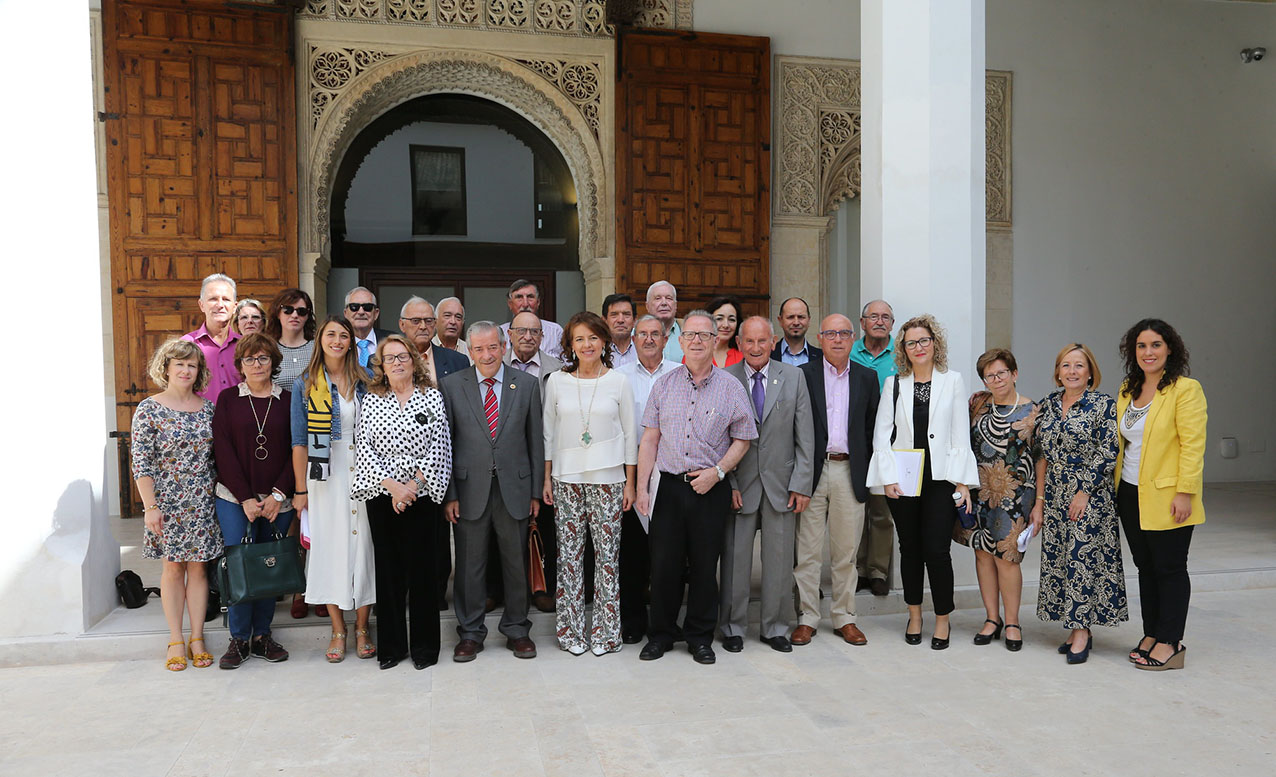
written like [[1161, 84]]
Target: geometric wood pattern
[[201, 166], [693, 167]]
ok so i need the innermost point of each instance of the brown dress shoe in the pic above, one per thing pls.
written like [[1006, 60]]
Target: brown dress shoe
[[543, 602], [466, 650], [852, 634], [879, 587], [523, 647], [802, 635]]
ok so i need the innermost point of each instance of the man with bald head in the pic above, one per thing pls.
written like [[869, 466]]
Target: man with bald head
[[844, 397], [526, 352], [769, 488]]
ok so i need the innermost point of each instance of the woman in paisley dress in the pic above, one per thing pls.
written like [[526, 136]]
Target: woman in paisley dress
[[1082, 579], [1001, 426], [172, 448]]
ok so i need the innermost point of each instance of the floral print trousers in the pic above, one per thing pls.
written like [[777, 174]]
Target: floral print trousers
[[593, 508]]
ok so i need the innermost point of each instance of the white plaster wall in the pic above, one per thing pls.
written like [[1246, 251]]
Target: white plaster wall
[[810, 28], [498, 186], [1144, 185]]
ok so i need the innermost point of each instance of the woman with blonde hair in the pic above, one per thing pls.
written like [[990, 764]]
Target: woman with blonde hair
[[1082, 583], [340, 571], [403, 465], [172, 450], [928, 409]]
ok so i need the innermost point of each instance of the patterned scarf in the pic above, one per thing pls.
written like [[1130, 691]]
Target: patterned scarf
[[319, 426]]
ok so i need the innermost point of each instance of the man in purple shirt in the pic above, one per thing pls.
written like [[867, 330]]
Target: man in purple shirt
[[698, 424], [214, 337], [844, 397]]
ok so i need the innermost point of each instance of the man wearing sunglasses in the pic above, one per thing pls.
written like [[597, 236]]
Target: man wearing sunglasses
[[362, 312]]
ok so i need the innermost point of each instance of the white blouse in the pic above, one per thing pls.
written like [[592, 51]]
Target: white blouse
[[1133, 434], [395, 442], [590, 429]]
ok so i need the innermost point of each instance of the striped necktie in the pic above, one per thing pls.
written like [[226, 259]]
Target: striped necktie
[[489, 406]]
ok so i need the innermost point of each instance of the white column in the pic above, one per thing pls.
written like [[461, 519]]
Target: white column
[[57, 557], [922, 239]]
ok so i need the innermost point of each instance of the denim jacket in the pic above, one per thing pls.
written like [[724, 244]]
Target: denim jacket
[[298, 410]]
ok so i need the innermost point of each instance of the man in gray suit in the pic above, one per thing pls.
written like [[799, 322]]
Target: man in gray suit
[[769, 487], [498, 453]]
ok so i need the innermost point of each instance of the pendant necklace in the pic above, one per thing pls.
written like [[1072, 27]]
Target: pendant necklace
[[260, 452], [1133, 414], [586, 438]]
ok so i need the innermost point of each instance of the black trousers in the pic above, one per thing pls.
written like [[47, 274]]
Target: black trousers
[[443, 563], [404, 549], [635, 573], [1161, 557], [924, 525], [686, 535]]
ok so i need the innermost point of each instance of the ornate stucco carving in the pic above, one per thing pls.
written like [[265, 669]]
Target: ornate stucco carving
[[369, 83], [819, 141], [585, 18]]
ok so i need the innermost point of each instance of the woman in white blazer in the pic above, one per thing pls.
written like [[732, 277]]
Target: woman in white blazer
[[928, 410]]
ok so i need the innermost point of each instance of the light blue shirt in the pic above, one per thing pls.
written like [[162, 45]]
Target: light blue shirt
[[796, 359], [497, 387], [883, 363], [673, 348]]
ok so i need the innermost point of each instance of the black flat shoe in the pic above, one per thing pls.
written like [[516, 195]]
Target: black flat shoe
[[631, 636], [733, 644], [1013, 645], [703, 654], [651, 651], [1064, 648], [984, 639], [424, 663], [390, 663], [780, 644]]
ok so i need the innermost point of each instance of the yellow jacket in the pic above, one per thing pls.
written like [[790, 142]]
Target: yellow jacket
[[1172, 459]]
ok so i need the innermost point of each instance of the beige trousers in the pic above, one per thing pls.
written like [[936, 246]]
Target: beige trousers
[[833, 511]]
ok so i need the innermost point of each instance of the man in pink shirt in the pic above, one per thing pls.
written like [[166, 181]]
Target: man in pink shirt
[[214, 337], [844, 397]]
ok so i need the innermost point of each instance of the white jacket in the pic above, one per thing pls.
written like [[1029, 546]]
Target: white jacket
[[951, 457]]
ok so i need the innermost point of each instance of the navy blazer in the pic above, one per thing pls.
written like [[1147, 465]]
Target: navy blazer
[[447, 361], [812, 351], [862, 415]]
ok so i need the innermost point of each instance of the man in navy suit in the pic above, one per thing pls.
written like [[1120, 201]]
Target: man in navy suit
[[795, 319], [417, 322], [362, 312]]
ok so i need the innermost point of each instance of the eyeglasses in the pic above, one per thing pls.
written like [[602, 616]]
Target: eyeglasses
[[923, 342], [366, 307], [837, 334], [261, 360], [879, 317], [998, 376], [419, 321], [647, 335], [250, 317], [289, 310], [525, 330], [703, 337], [400, 358]]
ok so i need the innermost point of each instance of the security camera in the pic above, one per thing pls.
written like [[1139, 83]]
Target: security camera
[[1255, 54]]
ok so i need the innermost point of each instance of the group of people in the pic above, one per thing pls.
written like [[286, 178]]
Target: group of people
[[666, 446]]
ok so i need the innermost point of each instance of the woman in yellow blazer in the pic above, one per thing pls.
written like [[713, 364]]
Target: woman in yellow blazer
[[1161, 456]]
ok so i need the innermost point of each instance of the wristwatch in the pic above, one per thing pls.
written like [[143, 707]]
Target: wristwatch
[[420, 484], [278, 496], [721, 475]]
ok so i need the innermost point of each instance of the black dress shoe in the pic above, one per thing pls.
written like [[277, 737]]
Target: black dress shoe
[[390, 663], [732, 644], [651, 651], [940, 644], [631, 636], [879, 587], [423, 662], [703, 654], [780, 644]]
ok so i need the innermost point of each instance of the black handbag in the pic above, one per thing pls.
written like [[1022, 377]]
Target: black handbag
[[260, 570], [129, 585]]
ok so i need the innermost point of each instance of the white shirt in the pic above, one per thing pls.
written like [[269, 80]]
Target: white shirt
[[551, 338], [496, 387], [1133, 444], [590, 431], [462, 347], [641, 381]]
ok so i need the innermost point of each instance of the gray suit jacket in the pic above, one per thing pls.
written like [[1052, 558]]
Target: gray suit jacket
[[782, 458], [548, 364], [516, 457]]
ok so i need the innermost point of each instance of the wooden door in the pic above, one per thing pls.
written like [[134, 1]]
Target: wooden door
[[201, 171], [693, 173]]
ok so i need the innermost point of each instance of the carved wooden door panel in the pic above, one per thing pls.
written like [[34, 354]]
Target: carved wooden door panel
[[201, 170], [693, 171]]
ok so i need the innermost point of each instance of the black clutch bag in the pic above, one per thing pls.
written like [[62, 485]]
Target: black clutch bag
[[261, 570]]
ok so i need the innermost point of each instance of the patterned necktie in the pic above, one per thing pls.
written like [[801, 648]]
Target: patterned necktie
[[365, 348], [489, 406], [759, 393]]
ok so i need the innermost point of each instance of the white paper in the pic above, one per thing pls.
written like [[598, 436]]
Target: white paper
[[653, 485], [1025, 537], [908, 467], [305, 527]]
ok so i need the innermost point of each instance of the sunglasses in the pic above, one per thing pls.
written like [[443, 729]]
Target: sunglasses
[[366, 307], [289, 310]]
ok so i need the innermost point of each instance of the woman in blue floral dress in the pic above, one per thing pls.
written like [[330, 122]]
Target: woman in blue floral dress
[[172, 443], [1082, 580]]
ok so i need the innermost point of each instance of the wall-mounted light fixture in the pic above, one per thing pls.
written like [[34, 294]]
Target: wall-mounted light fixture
[[1254, 54]]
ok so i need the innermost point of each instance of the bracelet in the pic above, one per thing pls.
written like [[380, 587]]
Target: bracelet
[[148, 508], [302, 493], [1041, 499]]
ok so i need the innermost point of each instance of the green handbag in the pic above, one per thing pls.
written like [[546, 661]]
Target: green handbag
[[261, 570]]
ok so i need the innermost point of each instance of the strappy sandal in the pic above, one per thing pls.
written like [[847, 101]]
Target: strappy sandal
[[203, 659], [367, 649], [175, 663], [337, 655], [1175, 661], [1137, 651]]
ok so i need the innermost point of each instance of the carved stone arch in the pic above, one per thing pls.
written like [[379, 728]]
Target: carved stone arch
[[394, 81], [842, 178]]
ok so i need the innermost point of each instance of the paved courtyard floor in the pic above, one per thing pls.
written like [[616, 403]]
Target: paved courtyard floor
[[824, 709]]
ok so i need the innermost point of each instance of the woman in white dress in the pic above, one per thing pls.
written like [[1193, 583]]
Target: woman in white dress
[[340, 571], [591, 453]]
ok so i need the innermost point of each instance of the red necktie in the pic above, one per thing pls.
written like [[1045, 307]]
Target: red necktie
[[489, 406]]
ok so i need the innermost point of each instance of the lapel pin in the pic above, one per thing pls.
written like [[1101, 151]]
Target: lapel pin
[[775, 381]]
